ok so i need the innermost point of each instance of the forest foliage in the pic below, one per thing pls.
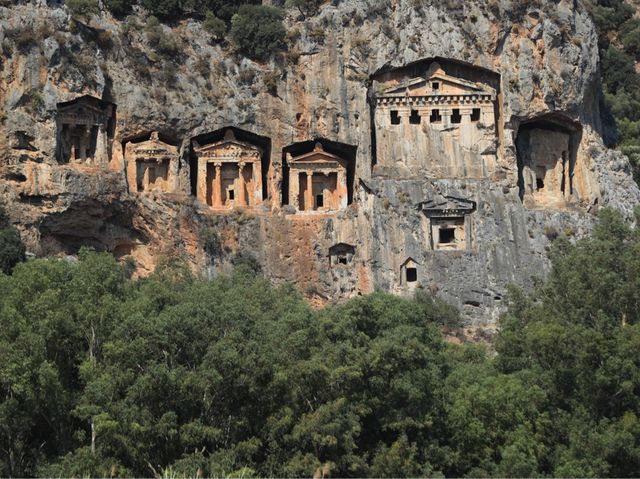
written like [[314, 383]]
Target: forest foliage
[[171, 375], [256, 30], [619, 43], [12, 250]]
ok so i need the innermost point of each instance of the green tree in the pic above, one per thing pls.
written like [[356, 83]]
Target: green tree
[[82, 9], [306, 7], [215, 26], [12, 249], [258, 31], [120, 8], [167, 10]]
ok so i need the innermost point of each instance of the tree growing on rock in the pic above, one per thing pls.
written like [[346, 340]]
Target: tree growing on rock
[[258, 31]]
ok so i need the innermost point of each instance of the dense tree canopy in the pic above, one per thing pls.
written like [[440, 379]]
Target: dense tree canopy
[[103, 376]]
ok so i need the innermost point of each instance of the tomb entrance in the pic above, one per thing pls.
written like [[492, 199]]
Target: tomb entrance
[[449, 223], [85, 130], [409, 273], [341, 254], [229, 173], [549, 171], [436, 118], [151, 164], [317, 180]]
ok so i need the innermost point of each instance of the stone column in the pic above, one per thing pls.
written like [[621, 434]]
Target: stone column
[[240, 195], [101, 155], [342, 189], [83, 144], [566, 175], [201, 186], [72, 149], [404, 113], [217, 186], [309, 200], [145, 177], [294, 188], [446, 113], [257, 182]]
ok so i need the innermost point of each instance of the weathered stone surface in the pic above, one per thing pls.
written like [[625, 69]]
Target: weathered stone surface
[[539, 61]]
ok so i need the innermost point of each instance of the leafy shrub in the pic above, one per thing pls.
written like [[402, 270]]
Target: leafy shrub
[[82, 9], [119, 8], [12, 250], [258, 31], [214, 26], [164, 43], [163, 9]]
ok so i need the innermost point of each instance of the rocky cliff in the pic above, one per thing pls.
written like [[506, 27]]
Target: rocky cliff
[[536, 62]]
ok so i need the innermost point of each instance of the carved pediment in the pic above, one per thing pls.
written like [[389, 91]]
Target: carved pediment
[[228, 150], [409, 263], [154, 148], [317, 158], [85, 110], [446, 85], [447, 206]]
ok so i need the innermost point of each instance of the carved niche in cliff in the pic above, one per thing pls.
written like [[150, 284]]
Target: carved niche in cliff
[[317, 181], [85, 130], [229, 173], [151, 165], [433, 123], [409, 273], [341, 254], [449, 223], [551, 173]]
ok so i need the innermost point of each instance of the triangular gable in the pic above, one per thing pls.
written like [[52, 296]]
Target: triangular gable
[[318, 156], [87, 102], [228, 146], [86, 110], [155, 147], [402, 88], [407, 261], [421, 82], [228, 149], [436, 73], [81, 108], [447, 206]]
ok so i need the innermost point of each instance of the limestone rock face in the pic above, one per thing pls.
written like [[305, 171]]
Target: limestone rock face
[[461, 206]]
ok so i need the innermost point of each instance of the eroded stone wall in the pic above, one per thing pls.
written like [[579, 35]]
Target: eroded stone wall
[[528, 56]]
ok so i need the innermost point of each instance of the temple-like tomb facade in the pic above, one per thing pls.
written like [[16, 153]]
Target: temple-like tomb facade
[[436, 124], [85, 129], [449, 223], [553, 172], [229, 173], [151, 165], [317, 181], [547, 169]]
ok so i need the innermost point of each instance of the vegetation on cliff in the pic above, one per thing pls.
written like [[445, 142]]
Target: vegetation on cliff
[[257, 30], [102, 376], [619, 43], [12, 250]]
